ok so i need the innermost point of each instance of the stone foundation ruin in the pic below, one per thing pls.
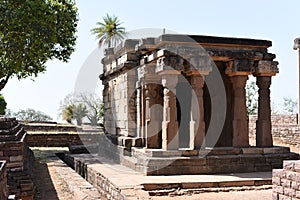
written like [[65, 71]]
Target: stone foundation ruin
[[16, 161], [176, 104]]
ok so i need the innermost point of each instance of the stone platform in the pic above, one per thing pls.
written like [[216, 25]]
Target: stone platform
[[116, 181], [208, 161], [216, 160]]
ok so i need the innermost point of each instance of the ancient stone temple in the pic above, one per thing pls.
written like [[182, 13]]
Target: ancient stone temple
[[176, 104]]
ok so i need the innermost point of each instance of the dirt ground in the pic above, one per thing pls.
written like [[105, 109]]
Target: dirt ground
[[48, 184], [233, 195]]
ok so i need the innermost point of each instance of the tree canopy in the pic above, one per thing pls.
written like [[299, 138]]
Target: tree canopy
[[109, 32], [29, 115], [32, 32]]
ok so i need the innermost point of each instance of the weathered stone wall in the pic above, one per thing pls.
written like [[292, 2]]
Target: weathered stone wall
[[119, 104], [106, 188], [18, 157], [61, 139], [278, 119], [50, 127], [13, 153], [284, 129], [3, 181], [286, 181]]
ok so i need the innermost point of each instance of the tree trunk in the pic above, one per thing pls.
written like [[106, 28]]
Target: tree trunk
[[4, 81]]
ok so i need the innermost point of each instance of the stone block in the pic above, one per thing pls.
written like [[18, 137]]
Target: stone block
[[276, 150], [275, 196], [289, 165], [283, 197], [252, 158], [289, 192], [276, 181], [12, 152], [138, 142], [291, 175], [252, 150], [297, 166], [262, 167], [295, 185], [222, 159], [278, 189], [279, 173], [189, 162], [16, 158], [225, 151], [285, 183]]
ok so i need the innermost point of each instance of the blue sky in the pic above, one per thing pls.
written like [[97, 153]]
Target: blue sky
[[277, 21]]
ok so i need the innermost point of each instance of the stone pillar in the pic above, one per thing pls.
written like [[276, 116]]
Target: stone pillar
[[153, 116], [263, 124], [170, 139], [143, 109], [240, 122], [138, 109], [197, 123]]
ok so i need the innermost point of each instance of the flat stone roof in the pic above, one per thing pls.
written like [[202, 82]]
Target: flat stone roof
[[214, 40]]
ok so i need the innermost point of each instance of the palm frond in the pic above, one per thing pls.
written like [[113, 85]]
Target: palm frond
[[109, 32]]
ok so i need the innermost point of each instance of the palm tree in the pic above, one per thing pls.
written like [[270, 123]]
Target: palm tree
[[74, 111], [79, 112], [109, 31]]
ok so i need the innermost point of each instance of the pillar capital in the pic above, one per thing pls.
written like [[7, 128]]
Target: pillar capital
[[199, 65], [169, 63], [240, 67], [266, 68]]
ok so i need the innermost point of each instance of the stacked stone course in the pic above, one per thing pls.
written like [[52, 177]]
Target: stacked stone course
[[286, 181], [3, 181], [285, 129], [18, 157], [61, 139]]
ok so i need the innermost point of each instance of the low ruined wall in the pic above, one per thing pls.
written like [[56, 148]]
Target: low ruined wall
[[3, 181], [286, 181], [13, 153], [278, 119], [50, 127], [61, 139], [106, 188], [284, 129]]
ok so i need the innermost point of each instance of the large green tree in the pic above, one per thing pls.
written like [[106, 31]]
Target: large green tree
[[109, 32], [32, 32]]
